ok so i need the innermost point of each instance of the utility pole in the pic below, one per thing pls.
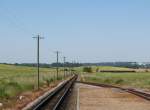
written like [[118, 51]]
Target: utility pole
[[64, 67], [72, 67], [38, 57], [57, 68]]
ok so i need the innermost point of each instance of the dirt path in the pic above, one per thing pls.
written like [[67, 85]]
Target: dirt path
[[97, 98]]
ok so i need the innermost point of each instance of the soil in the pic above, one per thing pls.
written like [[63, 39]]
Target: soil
[[97, 98]]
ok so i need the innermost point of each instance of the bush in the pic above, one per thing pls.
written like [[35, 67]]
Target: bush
[[87, 69], [48, 81], [119, 81], [97, 69], [9, 89], [108, 81]]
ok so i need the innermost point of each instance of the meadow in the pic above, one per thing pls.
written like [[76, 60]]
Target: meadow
[[135, 80], [94, 68], [17, 79], [138, 79]]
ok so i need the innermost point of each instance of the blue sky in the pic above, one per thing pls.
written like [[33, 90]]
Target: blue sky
[[83, 30]]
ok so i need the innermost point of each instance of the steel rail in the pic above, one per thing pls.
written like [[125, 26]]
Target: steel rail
[[63, 97], [64, 88]]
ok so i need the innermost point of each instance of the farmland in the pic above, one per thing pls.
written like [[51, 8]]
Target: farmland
[[138, 79], [103, 68], [135, 80], [17, 79]]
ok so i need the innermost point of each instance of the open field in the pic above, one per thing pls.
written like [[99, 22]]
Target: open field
[[137, 80], [17, 79], [110, 68]]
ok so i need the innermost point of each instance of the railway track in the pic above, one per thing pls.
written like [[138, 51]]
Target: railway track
[[53, 100], [132, 91]]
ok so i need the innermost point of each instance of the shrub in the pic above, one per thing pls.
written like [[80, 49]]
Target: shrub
[[107, 81], [87, 69], [3, 93], [48, 81], [97, 69], [119, 81]]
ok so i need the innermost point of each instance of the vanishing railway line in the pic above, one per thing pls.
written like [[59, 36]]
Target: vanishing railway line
[[54, 99]]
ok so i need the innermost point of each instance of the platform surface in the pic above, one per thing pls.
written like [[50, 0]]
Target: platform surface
[[99, 98]]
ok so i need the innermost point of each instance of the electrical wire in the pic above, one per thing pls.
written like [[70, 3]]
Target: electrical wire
[[13, 20]]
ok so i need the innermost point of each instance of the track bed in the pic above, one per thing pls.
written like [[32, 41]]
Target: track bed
[[89, 97]]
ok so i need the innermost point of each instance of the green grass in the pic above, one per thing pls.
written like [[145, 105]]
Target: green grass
[[138, 80], [17, 79]]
